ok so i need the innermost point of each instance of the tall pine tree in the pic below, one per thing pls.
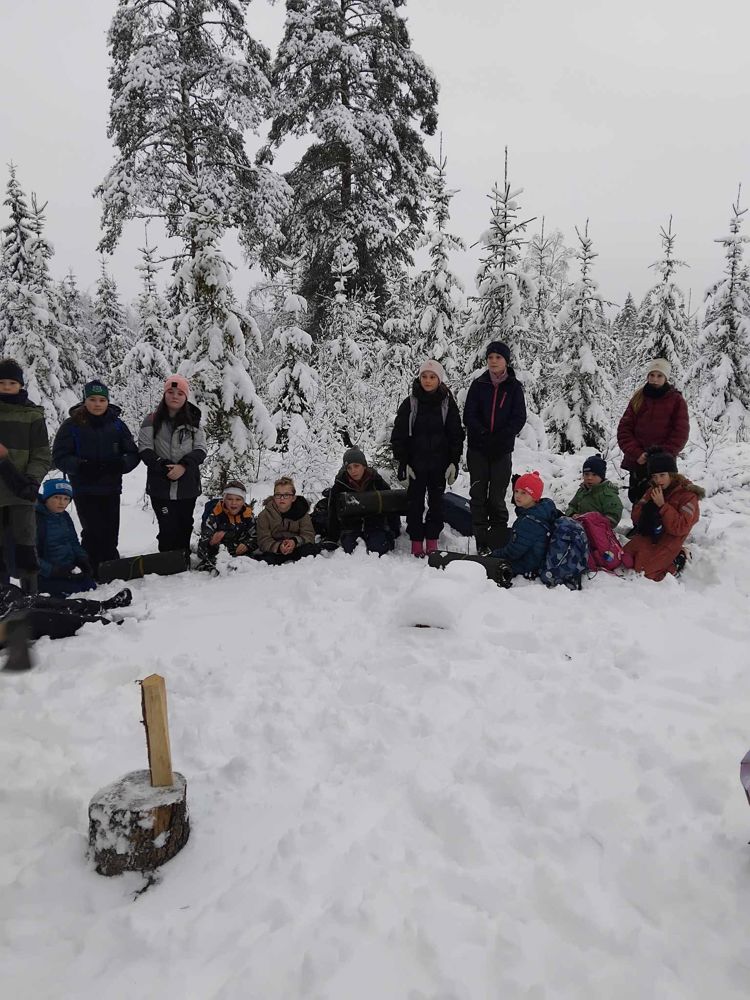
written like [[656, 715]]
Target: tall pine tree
[[578, 414], [346, 75], [719, 380], [110, 334]]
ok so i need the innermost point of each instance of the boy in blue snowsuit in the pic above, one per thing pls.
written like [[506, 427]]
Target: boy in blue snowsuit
[[529, 538], [60, 553]]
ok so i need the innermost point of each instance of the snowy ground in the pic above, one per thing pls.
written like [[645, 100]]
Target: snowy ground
[[539, 799]]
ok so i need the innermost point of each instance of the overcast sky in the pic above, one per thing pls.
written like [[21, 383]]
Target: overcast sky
[[619, 113]]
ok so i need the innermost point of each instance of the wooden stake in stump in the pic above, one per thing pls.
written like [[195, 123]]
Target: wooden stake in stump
[[141, 821]]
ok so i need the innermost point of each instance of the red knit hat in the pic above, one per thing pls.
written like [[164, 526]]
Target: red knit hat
[[532, 484]]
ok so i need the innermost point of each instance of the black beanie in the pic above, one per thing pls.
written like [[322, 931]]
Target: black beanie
[[498, 347], [352, 455], [597, 465], [9, 368], [660, 461]]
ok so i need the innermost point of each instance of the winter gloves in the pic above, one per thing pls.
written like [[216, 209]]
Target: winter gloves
[[24, 487], [405, 472], [450, 474]]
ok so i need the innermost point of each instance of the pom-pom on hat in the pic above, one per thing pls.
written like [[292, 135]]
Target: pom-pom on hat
[[235, 488], [56, 488], [596, 465], [354, 455], [177, 382], [659, 365], [435, 367], [660, 461], [498, 347], [96, 388], [10, 369], [532, 484]]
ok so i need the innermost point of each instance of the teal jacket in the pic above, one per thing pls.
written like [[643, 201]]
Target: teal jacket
[[602, 498]]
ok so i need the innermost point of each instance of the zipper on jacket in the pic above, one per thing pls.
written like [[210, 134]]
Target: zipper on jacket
[[494, 400]]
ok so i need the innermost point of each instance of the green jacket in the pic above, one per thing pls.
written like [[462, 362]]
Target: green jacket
[[24, 433], [602, 498]]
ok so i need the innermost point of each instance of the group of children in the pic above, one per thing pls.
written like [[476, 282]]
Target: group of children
[[94, 449]]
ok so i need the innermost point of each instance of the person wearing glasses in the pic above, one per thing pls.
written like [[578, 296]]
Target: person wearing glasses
[[284, 529]]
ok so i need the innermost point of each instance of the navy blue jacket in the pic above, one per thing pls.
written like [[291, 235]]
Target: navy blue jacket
[[56, 540], [421, 437], [94, 452], [494, 416], [529, 537]]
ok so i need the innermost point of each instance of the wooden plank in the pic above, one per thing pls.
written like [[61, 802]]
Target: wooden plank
[[154, 704]]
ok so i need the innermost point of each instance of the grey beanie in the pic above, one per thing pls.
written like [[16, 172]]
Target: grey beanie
[[352, 455]]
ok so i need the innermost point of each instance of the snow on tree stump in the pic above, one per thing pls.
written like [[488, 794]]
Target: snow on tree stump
[[141, 821], [134, 826]]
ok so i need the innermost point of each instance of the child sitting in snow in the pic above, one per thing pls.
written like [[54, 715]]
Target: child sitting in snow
[[376, 530], [285, 529], [529, 537], [227, 520], [596, 493], [60, 553], [663, 518]]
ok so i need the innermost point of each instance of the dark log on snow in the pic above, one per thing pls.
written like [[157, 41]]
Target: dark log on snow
[[136, 827]]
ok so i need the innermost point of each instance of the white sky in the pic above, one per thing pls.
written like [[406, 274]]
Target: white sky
[[620, 113]]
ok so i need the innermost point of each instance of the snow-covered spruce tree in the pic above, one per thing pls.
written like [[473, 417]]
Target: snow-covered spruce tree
[[15, 307], [624, 333], [187, 83], [345, 73], [719, 380], [216, 331], [109, 334], [663, 323], [148, 362], [578, 414], [439, 293], [548, 261], [503, 284], [293, 386]]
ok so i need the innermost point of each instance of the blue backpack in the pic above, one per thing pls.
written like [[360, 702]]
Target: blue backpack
[[567, 554]]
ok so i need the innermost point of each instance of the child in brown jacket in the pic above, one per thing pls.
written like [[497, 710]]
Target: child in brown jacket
[[285, 530]]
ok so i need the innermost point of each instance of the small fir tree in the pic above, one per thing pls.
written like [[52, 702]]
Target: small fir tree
[[109, 334]]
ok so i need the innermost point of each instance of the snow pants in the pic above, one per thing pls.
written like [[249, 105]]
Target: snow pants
[[18, 543], [489, 487], [429, 483], [175, 519], [100, 526], [378, 540], [277, 559]]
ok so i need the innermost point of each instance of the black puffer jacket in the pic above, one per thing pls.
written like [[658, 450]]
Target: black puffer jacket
[[427, 433], [342, 484], [95, 452], [494, 415]]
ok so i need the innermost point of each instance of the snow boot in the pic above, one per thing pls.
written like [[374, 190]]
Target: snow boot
[[430, 545], [417, 549], [17, 638], [121, 599]]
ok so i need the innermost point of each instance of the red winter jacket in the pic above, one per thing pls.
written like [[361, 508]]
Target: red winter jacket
[[679, 513], [649, 422]]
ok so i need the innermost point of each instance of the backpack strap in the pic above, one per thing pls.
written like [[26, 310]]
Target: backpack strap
[[413, 404]]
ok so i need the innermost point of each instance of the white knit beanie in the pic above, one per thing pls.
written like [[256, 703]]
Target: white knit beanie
[[435, 367], [659, 365]]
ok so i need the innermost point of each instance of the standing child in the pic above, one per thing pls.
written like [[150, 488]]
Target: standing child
[[356, 476], [227, 520], [285, 530], [60, 552], [663, 518], [172, 445], [427, 442], [24, 462], [529, 536], [596, 493]]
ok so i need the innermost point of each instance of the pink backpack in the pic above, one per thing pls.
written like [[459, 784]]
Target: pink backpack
[[605, 551]]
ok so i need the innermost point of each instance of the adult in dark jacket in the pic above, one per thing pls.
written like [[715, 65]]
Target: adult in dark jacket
[[427, 442], [356, 476], [24, 461], [494, 415], [60, 552], [95, 449], [656, 417], [172, 445]]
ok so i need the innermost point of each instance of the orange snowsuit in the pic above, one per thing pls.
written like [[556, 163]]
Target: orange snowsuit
[[681, 510]]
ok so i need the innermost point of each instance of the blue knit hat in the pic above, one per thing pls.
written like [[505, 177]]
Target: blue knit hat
[[597, 465], [56, 488]]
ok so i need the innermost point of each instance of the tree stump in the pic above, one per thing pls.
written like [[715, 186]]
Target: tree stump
[[135, 827]]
